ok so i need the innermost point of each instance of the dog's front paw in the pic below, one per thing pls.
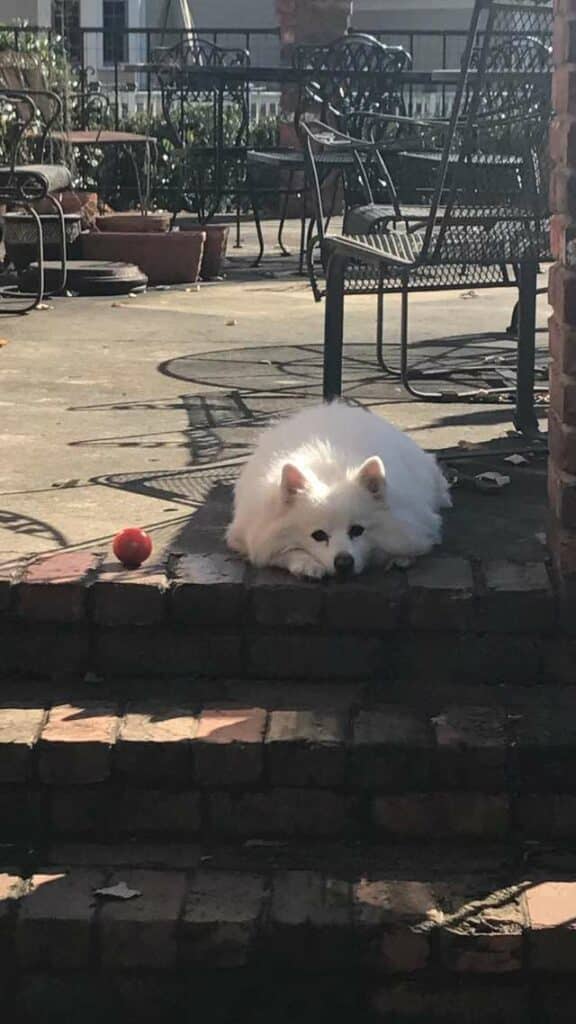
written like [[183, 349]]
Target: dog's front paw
[[235, 541], [301, 564], [401, 563]]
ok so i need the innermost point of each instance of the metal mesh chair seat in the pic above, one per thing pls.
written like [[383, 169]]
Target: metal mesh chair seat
[[365, 279], [492, 241], [486, 222]]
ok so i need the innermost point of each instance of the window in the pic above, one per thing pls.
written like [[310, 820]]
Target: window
[[115, 35], [66, 22]]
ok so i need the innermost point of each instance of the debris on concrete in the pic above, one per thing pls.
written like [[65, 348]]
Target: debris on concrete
[[517, 460], [120, 891], [490, 482]]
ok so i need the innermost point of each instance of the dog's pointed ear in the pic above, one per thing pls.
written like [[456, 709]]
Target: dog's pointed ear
[[293, 481], [372, 476]]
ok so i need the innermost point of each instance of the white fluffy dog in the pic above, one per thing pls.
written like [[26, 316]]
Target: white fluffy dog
[[334, 489]]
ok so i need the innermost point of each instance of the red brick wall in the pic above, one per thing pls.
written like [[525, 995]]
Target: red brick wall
[[312, 21], [308, 21], [562, 466]]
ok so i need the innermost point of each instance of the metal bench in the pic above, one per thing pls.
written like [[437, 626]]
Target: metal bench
[[487, 221]]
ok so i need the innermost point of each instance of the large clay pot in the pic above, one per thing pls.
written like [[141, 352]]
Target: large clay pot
[[133, 222], [214, 246], [83, 203], [171, 258]]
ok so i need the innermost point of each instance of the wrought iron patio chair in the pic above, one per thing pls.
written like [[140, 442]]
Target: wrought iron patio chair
[[25, 184], [206, 121], [367, 78], [81, 121], [487, 222]]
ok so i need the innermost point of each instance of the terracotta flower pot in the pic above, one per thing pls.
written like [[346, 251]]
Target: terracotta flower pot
[[133, 222], [165, 258], [214, 247]]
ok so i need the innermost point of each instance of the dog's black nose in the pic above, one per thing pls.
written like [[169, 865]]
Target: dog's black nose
[[344, 564]]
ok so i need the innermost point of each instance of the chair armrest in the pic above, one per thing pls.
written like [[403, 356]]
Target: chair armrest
[[401, 119], [330, 138], [364, 248]]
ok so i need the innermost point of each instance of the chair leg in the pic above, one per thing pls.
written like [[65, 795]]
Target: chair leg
[[380, 329], [525, 418], [255, 210], [63, 249], [303, 241], [512, 328], [334, 327], [285, 199], [238, 242], [404, 336], [11, 292]]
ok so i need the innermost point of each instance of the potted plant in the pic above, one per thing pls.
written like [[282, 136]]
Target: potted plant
[[171, 257]]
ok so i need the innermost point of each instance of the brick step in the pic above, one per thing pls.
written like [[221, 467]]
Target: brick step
[[413, 935], [205, 614], [330, 765]]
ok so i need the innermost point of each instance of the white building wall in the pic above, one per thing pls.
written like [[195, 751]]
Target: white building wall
[[11, 10]]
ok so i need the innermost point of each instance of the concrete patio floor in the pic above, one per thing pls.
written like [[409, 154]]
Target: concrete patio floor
[[135, 410]]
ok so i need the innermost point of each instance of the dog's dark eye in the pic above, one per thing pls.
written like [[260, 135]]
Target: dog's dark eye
[[355, 531], [320, 536]]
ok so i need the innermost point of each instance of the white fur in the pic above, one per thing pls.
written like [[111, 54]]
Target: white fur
[[329, 468]]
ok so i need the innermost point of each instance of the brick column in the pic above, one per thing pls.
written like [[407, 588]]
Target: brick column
[[309, 21], [562, 422], [312, 21]]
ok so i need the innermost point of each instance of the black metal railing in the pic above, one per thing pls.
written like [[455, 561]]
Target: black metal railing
[[101, 66], [124, 75], [430, 48]]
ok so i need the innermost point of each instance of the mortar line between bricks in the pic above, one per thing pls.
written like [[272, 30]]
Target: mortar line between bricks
[[526, 945], [264, 921], [14, 592], [204, 815], [94, 941], [92, 626], [189, 875], [121, 713], [266, 780], [479, 584], [245, 618], [34, 775], [435, 959], [556, 596], [512, 774]]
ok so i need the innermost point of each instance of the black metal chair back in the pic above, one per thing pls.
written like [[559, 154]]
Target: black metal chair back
[[366, 79], [180, 87], [489, 202], [25, 183], [487, 210], [494, 167]]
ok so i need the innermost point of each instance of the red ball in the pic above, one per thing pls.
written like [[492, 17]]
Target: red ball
[[132, 546]]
